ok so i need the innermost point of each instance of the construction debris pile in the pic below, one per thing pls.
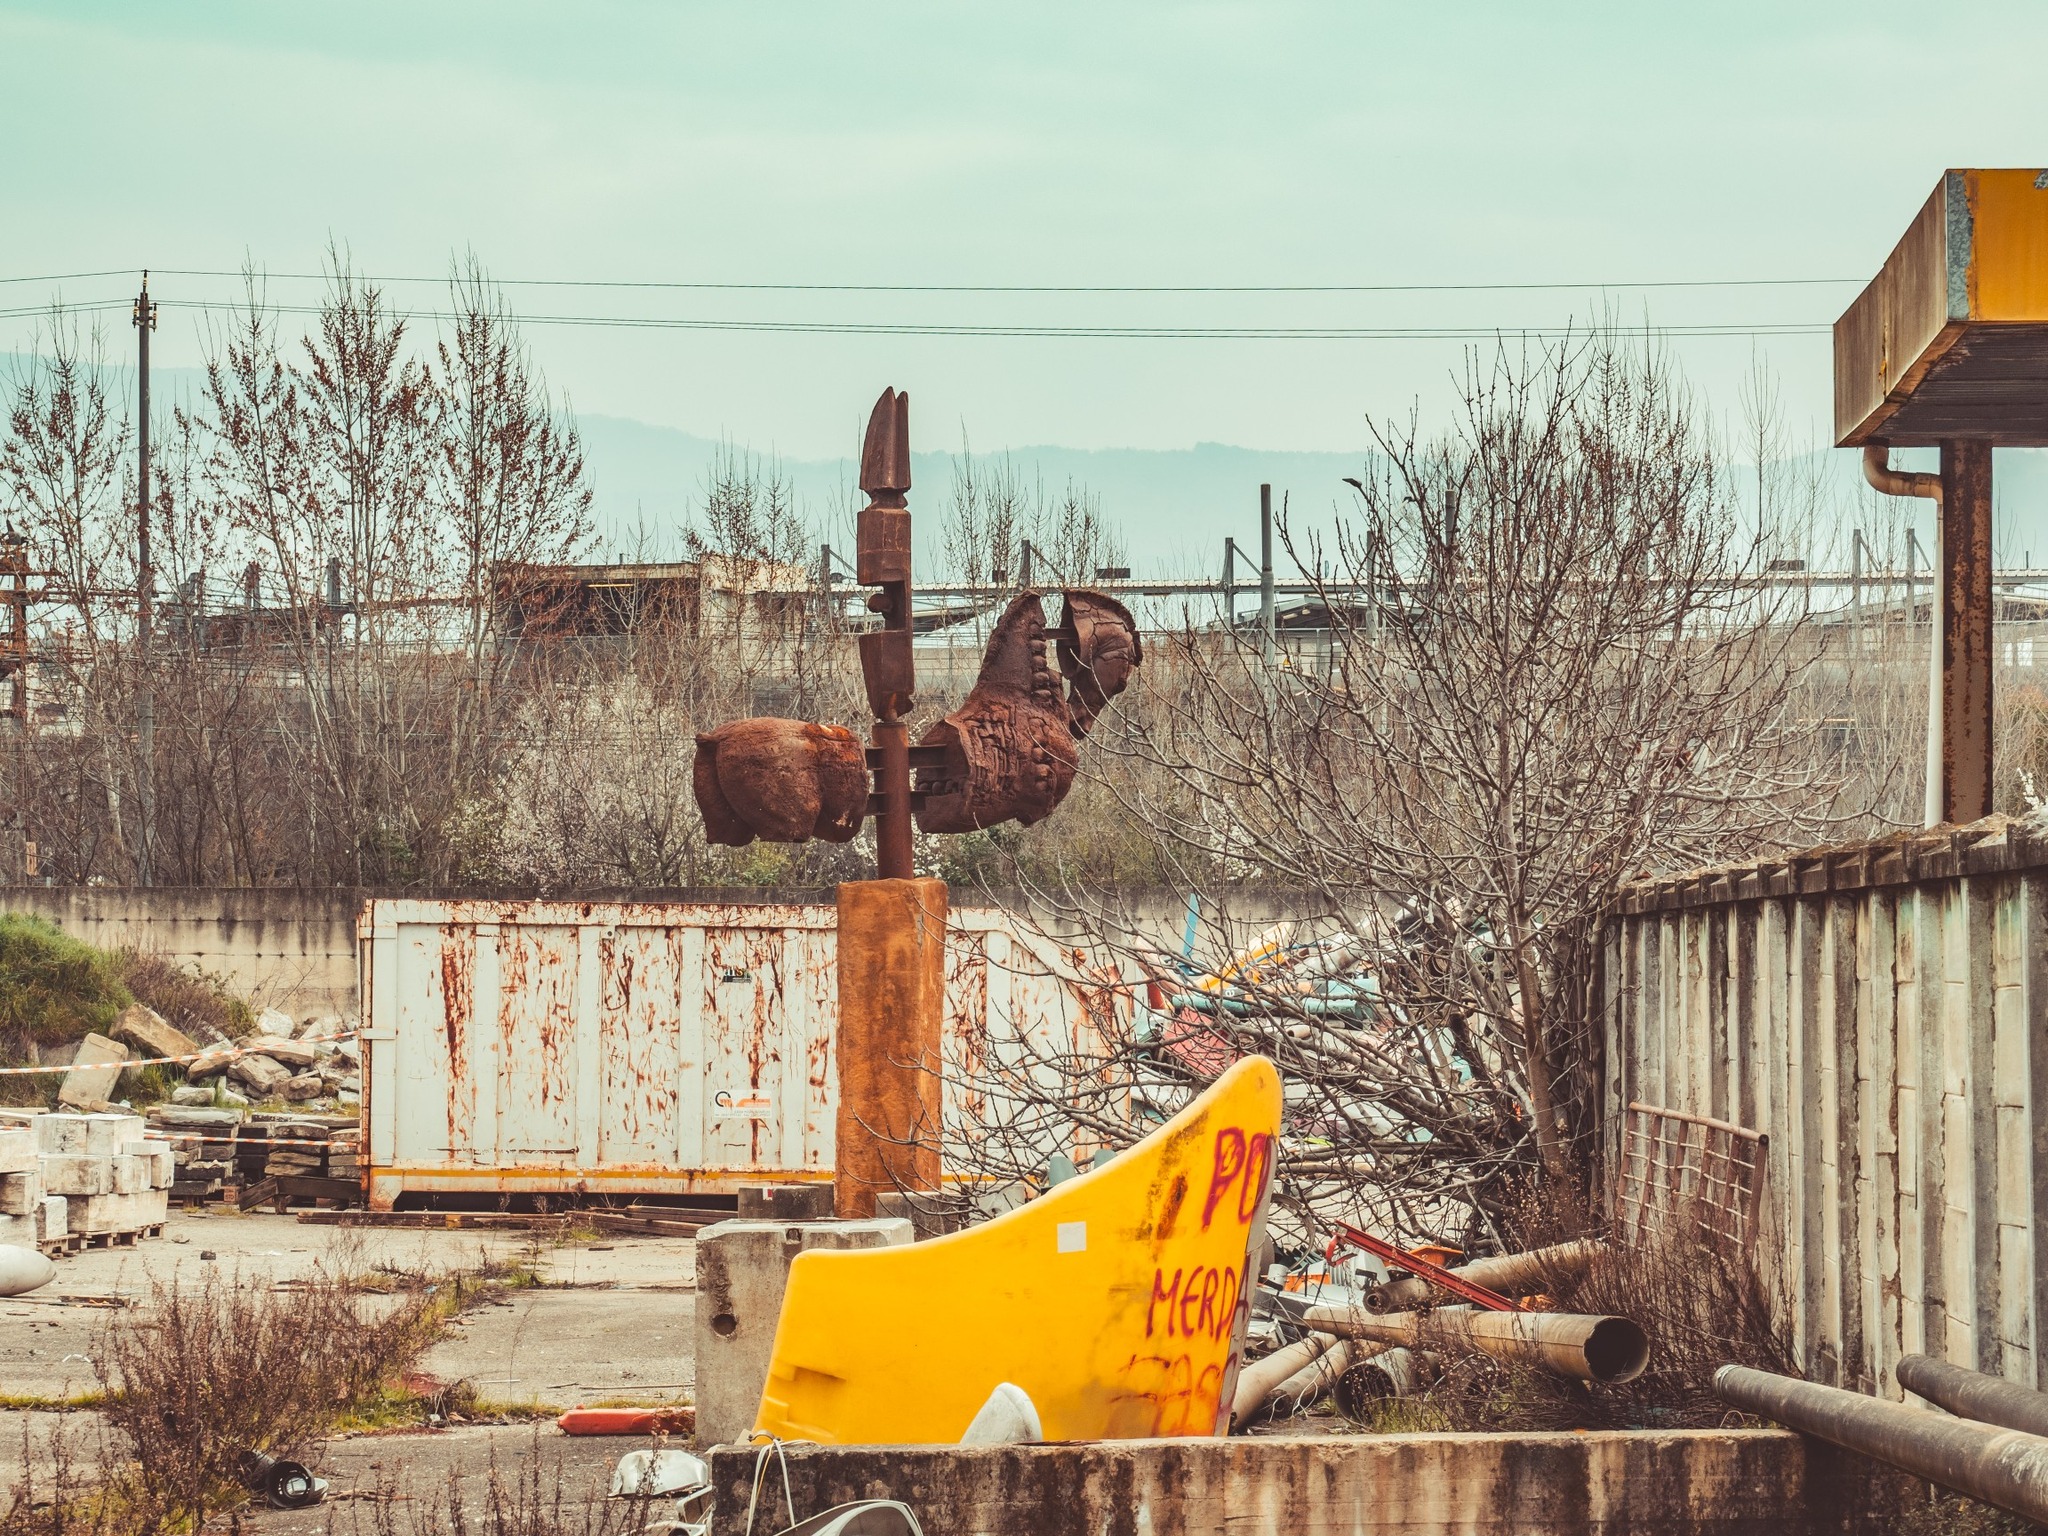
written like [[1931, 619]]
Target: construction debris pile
[[1332, 1330], [313, 1062], [67, 1180]]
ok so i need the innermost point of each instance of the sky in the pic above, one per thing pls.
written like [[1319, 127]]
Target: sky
[[1097, 145]]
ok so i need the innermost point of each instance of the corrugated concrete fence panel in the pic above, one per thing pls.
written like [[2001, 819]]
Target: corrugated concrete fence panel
[[1881, 1013]]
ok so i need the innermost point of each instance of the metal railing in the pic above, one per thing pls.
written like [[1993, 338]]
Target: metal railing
[[1679, 1167]]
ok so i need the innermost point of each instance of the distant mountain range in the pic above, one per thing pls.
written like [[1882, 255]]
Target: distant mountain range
[[1171, 508]]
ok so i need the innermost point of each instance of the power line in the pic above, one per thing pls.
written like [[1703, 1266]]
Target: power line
[[1049, 288], [1072, 332]]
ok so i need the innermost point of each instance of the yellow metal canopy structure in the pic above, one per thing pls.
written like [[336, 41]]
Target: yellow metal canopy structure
[[1118, 1301], [1950, 340]]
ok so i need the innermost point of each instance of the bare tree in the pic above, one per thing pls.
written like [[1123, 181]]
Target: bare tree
[[1551, 661]]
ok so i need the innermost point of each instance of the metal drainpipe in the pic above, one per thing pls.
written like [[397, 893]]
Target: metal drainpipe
[[1877, 469]]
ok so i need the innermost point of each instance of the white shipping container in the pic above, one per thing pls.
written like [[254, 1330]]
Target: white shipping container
[[659, 1048]]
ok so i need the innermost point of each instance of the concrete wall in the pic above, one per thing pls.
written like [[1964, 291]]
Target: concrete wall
[[1881, 1011], [296, 950], [288, 949], [1678, 1483]]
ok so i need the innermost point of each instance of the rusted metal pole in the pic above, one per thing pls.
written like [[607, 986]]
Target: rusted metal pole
[[2000, 1466], [892, 821], [1973, 1395], [1512, 1274], [1966, 610]]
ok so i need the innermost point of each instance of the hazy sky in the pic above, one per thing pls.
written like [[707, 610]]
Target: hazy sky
[[1106, 143]]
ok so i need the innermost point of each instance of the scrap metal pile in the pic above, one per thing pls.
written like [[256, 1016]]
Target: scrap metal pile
[[1338, 1332]]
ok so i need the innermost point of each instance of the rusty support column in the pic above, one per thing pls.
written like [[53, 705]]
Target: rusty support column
[[1966, 607], [892, 998]]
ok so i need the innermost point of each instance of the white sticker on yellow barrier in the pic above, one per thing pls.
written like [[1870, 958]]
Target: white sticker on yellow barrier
[[1073, 1237]]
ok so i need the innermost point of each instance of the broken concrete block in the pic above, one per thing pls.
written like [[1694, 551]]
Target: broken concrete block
[[90, 1083], [51, 1218], [142, 1026], [196, 1117], [742, 1271], [262, 1073], [192, 1096], [69, 1174], [286, 1052], [212, 1063], [159, 1162], [307, 1085]]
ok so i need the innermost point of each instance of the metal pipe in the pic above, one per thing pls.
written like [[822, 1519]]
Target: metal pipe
[[1268, 641], [2000, 1466], [1877, 469], [1603, 1349], [1512, 1274], [1391, 1373], [1308, 1384], [1974, 1395], [1262, 1378]]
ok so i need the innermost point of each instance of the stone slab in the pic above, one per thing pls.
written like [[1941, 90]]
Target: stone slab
[[89, 1082]]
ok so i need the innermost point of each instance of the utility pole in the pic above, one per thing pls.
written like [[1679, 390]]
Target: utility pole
[[145, 583], [1268, 641]]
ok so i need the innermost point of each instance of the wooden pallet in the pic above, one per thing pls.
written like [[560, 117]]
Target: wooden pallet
[[62, 1247], [112, 1239]]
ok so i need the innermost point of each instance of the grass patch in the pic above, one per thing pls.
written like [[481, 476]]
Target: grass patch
[[54, 988], [35, 1402]]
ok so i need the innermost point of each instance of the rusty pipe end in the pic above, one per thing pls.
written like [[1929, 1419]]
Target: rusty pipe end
[[1617, 1350], [1877, 469]]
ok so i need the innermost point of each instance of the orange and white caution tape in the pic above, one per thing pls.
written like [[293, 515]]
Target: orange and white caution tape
[[223, 1053]]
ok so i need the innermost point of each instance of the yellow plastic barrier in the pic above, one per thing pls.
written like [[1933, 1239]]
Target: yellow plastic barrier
[[1118, 1301]]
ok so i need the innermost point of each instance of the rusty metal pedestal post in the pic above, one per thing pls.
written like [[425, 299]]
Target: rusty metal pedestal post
[[1966, 635], [892, 997]]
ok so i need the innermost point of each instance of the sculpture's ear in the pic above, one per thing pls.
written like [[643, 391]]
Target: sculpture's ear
[[722, 824]]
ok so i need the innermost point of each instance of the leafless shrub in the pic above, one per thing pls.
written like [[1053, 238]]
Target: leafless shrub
[[203, 1374]]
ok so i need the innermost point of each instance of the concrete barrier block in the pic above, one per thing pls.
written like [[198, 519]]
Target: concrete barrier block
[[106, 1134], [78, 1174], [742, 1271], [60, 1135], [20, 1193], [17, 1149], [53, 1217]]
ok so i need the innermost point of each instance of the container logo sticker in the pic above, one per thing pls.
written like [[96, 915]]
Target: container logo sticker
[[744, 1105]]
